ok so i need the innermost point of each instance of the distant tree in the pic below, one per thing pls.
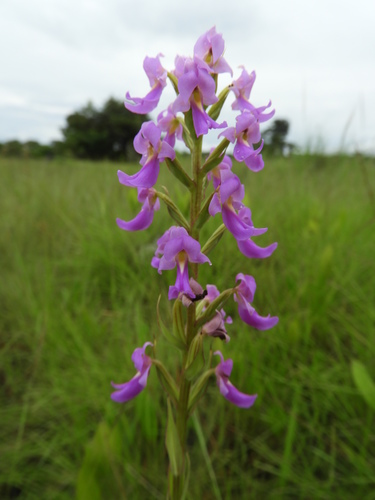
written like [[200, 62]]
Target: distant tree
[[32, 149], [102, 133], [12, 149], [275, 137], [59, 148]]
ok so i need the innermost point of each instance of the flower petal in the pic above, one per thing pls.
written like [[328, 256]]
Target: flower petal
[[235, 225], [236, 397], [142, 221], [144, 105], [256, 321], [252, 251], [146, 177]]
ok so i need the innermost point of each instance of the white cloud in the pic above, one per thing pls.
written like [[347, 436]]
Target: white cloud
[[314, 59]]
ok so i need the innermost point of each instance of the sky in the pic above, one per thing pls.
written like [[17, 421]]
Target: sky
[[314, 59]]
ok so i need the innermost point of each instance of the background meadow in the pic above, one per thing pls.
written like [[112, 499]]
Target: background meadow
[[77, 295]]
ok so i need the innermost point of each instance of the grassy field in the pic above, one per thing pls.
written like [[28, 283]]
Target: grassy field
[[77, 295]]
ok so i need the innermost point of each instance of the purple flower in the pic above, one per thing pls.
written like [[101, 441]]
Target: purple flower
[[169, 123], [157, 76], [242, 88], [143, 220], [231, 393], [236, 217], [245, 134], [215, 173], [130, 389], [196, 89], [210, 49], [177, 248], [247, 247], [147, 142], [244, 295]]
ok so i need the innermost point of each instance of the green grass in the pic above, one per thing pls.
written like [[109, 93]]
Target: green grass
[[77, 295]]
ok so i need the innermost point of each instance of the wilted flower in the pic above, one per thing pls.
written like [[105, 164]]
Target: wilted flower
[[231, 393], [216, 326], [130, 389], [157, 76], [153, 150], [244, 295]]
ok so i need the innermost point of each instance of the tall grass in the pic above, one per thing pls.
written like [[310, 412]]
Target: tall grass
[[77, 295]]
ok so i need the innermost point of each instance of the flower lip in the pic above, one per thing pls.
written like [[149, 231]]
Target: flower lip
[[244, 295], [129, 390], [143, 220], [227, 389]]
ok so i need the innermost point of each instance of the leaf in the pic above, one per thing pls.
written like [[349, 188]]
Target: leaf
[[195, 357], [173, 445], [178, 321], [174, 81], [364, 382], [204, 214], [213, 240], [199, 388], [178, 171], [173, 210], [145, 410], [166, 380], [167, 334], [215, 157], [187, 477], [216, 108], [100, 472]]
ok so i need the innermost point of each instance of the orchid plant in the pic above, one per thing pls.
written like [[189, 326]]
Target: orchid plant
[[198, 314]]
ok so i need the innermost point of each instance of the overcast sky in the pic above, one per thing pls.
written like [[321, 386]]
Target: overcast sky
[[314, 59]]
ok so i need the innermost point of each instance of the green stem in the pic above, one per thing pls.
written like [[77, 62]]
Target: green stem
[[185, 385]]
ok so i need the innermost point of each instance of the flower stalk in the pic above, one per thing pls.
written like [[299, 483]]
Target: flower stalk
[[198, 314]]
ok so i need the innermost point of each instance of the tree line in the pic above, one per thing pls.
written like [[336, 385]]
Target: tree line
[[89, 133], [107, 133]]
